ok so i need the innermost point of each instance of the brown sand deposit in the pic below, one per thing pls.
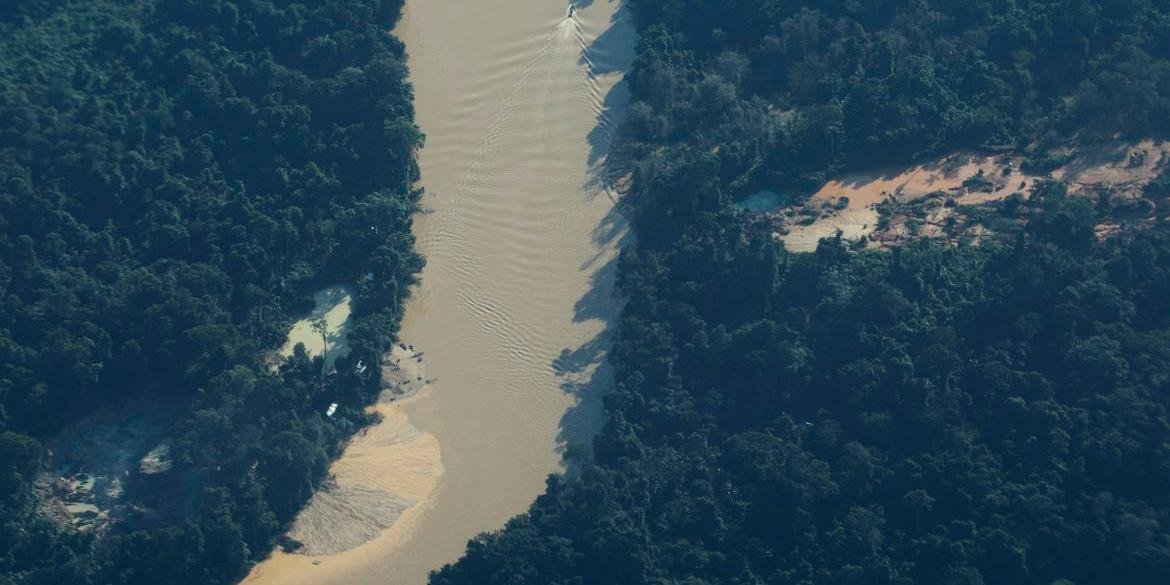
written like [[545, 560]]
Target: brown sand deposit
[[518, 103], [969, 178]]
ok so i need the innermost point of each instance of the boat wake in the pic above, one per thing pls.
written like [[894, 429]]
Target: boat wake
[[546, 95], [516, 99]]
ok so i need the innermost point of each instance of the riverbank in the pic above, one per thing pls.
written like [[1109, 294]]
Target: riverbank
[[386, 469], [518, 103]]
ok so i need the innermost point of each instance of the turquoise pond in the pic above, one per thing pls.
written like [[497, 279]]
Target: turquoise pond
[[760, 201]]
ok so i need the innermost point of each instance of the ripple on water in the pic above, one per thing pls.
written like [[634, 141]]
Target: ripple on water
[[517, 103]]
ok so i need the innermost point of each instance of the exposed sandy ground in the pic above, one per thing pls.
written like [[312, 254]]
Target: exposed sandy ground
[[93, 462], [968, 178], [365, 495], [332, 304], [519, 103], [385, 470]]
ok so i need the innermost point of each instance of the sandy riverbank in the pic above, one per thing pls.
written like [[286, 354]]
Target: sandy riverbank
[[519, 104]]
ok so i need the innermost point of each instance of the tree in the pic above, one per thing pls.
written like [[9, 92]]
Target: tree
[[321, 327]]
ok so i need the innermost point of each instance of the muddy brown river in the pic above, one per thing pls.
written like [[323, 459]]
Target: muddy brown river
[[518, 103]]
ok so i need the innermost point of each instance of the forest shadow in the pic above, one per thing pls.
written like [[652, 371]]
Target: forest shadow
[[1111, 161], [584, 371], [947, 167], [332, 304], [612, 52]]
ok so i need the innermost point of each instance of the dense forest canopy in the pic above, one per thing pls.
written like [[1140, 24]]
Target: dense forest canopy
[[789, 91], [927, 415], [176, 177], [934, 415]]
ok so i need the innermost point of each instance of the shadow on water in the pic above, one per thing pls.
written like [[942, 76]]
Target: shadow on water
[[601, 136], [612, 52], [585, 371]]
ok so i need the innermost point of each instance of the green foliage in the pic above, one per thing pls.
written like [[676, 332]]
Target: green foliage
[[175, 176], [1043, 164], [787, 92], [926, 415], [930, 415], [1159, 187]]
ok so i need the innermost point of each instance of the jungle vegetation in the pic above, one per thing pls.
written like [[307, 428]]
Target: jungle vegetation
[[928, 415], [176, 178]]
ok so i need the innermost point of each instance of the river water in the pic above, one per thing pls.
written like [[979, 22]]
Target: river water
[[518, 103]]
